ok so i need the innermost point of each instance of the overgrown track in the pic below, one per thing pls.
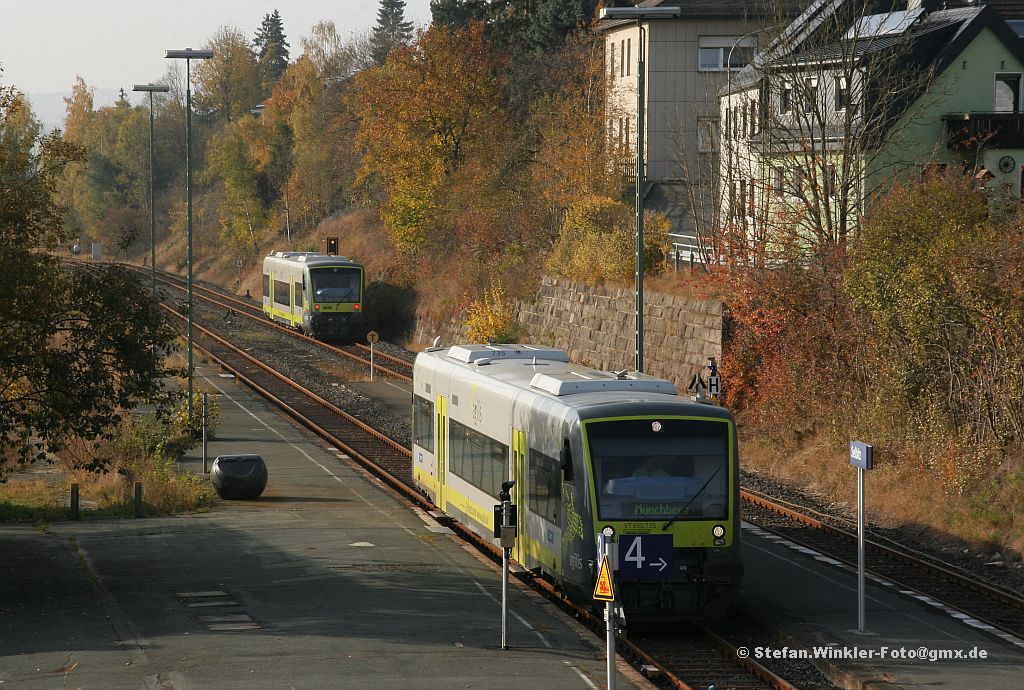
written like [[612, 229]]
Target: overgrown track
[[705, 659], [991, 605], [396, 367]]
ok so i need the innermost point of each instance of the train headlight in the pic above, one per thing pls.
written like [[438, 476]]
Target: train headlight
[[356, 307], [718, 531], [316, 307]]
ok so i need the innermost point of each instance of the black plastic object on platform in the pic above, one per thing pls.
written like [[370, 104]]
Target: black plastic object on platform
[[239, 476]]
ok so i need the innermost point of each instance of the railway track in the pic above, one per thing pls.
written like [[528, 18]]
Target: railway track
[[948, 585], [943, 583], [993, 606], [695, 661], [393, 367]]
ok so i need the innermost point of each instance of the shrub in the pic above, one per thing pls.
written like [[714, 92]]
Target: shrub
[[492, 318], [597, 242]]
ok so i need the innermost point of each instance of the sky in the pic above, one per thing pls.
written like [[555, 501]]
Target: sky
[[46, 44]]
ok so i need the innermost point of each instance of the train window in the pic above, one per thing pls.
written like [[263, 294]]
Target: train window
[[282, 292], [479, 459], [648, 469], [266, 285], [336, 284], [545, 489], [423, 423]]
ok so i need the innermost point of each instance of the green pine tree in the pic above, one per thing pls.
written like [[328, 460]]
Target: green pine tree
[[391, 31], [272, 48]]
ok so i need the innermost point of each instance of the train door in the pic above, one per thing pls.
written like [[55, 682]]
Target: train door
[[519, 493], [268, 293], [441, 448], [291, 302]]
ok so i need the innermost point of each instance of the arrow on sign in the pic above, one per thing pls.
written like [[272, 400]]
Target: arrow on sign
[[663, 564]]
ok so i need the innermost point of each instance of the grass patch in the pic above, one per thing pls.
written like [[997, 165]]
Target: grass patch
[[31, 499], [910, 494], [144, 449]]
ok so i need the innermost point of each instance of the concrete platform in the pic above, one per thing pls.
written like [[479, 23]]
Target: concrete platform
[[813, 601], [324, 582]]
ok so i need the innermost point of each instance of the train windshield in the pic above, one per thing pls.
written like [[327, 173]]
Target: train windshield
[[660, 469], [336, 284]]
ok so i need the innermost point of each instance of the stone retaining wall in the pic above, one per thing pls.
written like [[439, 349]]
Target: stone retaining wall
[[596, 326]]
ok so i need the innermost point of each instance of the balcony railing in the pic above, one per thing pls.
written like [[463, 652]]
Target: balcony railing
[[626, 169], [985, 130]]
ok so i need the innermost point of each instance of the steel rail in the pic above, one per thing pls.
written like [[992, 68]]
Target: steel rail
[[401, 487], [251, 313], [942, 570]]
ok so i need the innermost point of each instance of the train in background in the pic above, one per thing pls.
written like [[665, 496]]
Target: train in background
[[319, 294], [586, 449]]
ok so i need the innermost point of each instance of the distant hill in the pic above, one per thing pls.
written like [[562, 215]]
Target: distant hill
[[49, 107]]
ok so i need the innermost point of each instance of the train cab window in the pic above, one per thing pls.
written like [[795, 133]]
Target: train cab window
[[479, 459], [545, 489], [660, 469], [282, 292], [266, 285], [336, 284], [423, 423]]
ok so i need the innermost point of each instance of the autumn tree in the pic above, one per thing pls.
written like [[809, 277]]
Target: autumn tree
[[306, 109], [336, 59], [431, 120], [228, 85], [230, 164], [391, 31], [77, 349]]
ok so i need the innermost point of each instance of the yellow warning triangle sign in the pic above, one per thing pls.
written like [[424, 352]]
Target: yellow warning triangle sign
[[604, 590]]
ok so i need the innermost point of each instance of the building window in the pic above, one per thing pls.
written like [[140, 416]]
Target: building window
[[842, 94], [622, 58], [778, 181], [830, 181], [785, 98], [753, 118], [718, 53], [799, 178], [810, 94], [612, 60], [629, 54], [746, 111], [707, 135], [1007, 93]]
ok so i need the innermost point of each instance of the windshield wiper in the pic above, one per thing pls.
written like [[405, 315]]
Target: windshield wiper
[[683, 509]]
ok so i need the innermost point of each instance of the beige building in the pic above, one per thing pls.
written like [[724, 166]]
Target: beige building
[[687, 60]]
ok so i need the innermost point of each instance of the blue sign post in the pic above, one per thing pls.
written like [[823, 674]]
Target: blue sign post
[[862, 458], [860, 455]]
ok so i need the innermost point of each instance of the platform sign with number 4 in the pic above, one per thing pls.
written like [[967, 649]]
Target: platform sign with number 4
[[645, 556]]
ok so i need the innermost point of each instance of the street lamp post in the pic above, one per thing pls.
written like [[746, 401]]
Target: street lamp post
[[640, 15], [188, 55], [151, 89]]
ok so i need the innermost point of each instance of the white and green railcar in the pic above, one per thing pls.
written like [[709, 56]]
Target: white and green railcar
[[587, 449], [317, 293]]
